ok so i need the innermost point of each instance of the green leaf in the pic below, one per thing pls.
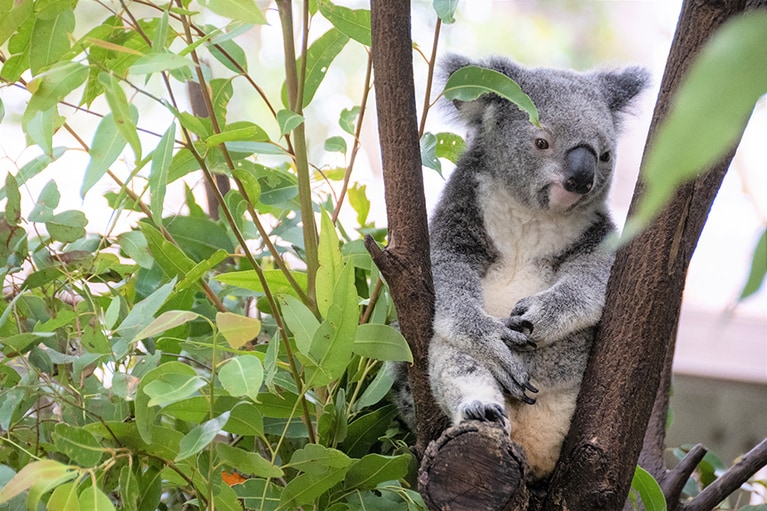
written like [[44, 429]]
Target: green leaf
[[238, 10], [158, 177], [142, 313], [47, 201], [315, 458], [200, 436], [38, 476], [758, 268], [134, 244], [429, 158], [242, 376], [331, 263], [649, 490], [158, 62], [348, 119], [201, 268], [164, 322], [307, 487], [377, 390], [173, 261], [79, 444], [171, 387], [250, 184], [52, 86], [50, 40], [336, 145], [41, 125], [288, 121], [353, 23], [106, 147], [359, 201], [300, 320], [13, 205], [445, 10], [247, 462], [242, 130], [122, 111], [373, 469], [450, 146], [93, 499], [381, 342], [365, 431], [64, 498], [275, 279], [708, 112], [333, 341], [237, 329], [12, 15], [319, 56], [470, 82], [67, 226]]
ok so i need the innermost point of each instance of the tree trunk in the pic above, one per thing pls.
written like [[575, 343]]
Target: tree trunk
[[405, 263], [638, 326]]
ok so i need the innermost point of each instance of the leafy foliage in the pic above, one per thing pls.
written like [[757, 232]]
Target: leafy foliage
[[191, 357]]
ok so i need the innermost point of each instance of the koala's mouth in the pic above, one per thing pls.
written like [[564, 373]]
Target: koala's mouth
[[561, 199]]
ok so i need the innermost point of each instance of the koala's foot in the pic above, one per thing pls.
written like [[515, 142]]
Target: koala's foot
[[486, 412]]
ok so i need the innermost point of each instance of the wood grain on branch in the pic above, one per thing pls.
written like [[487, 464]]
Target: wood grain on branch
[[638, 326], [405, 262]]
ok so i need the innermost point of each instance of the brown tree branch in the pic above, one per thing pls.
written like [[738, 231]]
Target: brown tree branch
[[405, 262], [731, 480], [643, 296], [674, 480]]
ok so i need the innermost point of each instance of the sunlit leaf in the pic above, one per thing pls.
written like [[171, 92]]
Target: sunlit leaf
[[50, 39], [470, 82], [355, 23], [242, 376], [237, 329], [122, 111], [708, 114], [93, 499], [319, 57], [288, 121], [445, 10], [164, 322], [64, 498], [275, 279], [157, 62], [42, 476], [243, 10], [171, 387], [331, 263]]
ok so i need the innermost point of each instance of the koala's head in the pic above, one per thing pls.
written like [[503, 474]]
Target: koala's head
[[567, 162]]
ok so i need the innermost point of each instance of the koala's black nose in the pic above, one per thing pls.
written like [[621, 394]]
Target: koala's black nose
[[581, 162]]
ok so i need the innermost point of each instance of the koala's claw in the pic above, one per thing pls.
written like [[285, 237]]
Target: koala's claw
[[486, 412], [520, 325]]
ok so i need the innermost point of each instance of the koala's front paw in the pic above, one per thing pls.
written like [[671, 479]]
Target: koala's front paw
[[485, 412], [507, 367]]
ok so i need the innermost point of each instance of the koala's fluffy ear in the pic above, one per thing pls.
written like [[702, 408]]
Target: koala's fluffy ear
[[468, 111], [621, 86]]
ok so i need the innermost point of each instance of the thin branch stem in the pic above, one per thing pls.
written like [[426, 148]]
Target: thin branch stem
[[430, 78], [356, 146], [731, 480], [674, 480], [295, 98]]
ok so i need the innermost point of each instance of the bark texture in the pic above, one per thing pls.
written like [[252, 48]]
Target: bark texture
[[405, 262], [644, 294]]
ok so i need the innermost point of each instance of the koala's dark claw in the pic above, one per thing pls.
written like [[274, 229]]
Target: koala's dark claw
[[529, 386], [531, 344], [520, 325], [527, 399], [486, 412]]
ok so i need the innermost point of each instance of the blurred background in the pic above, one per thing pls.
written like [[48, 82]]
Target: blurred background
[[720, 389]]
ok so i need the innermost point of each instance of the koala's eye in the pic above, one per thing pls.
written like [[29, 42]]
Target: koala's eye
[[605, 156], [541, 143]]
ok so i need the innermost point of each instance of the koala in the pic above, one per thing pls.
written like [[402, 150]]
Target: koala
[[518, 262]]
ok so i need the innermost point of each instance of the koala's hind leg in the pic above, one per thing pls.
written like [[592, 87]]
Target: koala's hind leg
[[463, 388]]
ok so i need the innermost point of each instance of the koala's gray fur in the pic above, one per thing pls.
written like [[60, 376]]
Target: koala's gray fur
[[519, 269]]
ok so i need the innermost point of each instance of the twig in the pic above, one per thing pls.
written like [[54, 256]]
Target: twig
[[731, 480], [429, 78], [675, 479]]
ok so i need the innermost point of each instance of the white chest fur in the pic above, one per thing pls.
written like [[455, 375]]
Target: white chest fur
[[526, 240]]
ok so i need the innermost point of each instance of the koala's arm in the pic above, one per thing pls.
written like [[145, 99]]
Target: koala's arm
[[461, 253], [576, 299]]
